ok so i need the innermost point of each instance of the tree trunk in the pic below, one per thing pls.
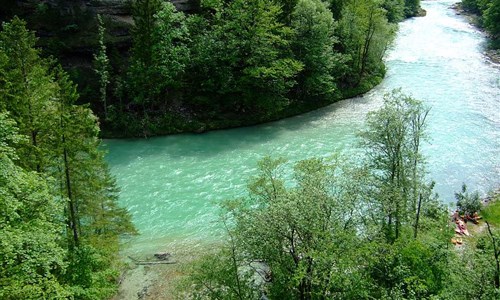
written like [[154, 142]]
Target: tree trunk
[[418, 215], [497, 259], [34, 143], [72, 222]]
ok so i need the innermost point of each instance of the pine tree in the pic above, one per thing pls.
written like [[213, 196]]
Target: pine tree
[[101, 66], [26, 88], [61, 143], [141, 61]]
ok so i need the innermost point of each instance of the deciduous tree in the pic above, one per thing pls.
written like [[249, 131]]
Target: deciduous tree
[[31, 255], [393, 143], [313, 45]]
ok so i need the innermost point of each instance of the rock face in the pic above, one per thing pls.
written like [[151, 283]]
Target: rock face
[[71, 24], [109, 7], [67, 30], [186, 5]]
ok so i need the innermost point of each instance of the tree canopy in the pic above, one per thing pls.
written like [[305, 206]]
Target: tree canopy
[[59, 201], [340, 228]]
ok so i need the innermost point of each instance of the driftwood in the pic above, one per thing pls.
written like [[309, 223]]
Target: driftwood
[[162, 255], [151, 262]]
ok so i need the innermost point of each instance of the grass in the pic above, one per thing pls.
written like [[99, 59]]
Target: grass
[[491, 212]]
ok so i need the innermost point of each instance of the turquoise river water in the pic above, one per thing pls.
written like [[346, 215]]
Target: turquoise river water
[[172, 184]]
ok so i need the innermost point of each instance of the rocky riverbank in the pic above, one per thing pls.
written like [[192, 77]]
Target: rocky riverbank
[[473, 19]]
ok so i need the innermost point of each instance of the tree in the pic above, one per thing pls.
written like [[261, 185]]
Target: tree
[[337, 7], [287, 8], [61, 144], [141, 59], [101, 63], [313, 45], [94, 220], [468, 204], [159, 54], [171, 53], [412, 8], [80, 166], [365, 35], [395, 10], [242, 59], [31, 256], [491, 18], [26, 88], [298, 242], [392, 141], [496, 254]]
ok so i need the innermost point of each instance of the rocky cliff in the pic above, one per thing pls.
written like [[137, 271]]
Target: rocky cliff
[[68, 26], [110, 7], [67, 30]]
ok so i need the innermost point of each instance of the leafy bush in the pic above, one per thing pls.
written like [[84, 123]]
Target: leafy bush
[[468, 203]]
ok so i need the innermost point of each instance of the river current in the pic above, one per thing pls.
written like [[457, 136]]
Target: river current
[[172, 185]]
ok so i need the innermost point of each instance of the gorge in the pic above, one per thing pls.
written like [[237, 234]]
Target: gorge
[[172, 185]]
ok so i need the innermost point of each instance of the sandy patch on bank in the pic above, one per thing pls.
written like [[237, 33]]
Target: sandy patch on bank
[[148, 282]]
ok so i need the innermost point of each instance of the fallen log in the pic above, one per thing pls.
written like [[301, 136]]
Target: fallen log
[[150, 262], [146, 262]]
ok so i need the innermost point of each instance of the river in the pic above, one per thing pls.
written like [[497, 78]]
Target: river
[[172, 185]]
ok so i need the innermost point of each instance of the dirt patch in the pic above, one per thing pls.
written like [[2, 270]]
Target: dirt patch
[[137, 282], [158, 281]]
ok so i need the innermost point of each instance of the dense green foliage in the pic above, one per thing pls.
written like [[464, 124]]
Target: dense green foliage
[[488, 12], [102, 66], [393, 139], [347, 230], [242, 62], [31, 254], [313, 45], [60, 221], [222, 64], [467, 203]]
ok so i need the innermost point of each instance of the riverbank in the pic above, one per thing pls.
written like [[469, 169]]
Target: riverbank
[[189, 171], [492, 52], [158, 281], [490, 212], [188, 120]]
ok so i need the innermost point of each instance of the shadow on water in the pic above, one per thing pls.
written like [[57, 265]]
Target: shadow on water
[[216, 143]]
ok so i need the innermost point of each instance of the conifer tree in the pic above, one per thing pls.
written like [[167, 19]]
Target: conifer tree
[[101, 63], [61, 143], [141, 61], [26, 88]]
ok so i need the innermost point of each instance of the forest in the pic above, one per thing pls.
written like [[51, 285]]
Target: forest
[[60, 223], [225, 63], [367, 227], [362, 227], [244, 62], [488, 17]]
